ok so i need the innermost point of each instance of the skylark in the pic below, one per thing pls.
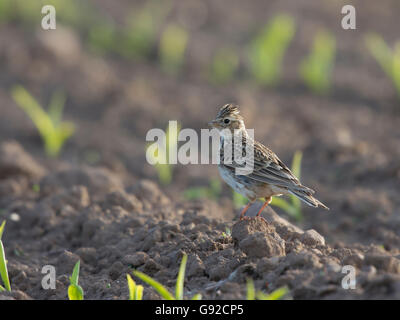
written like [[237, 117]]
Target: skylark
[[269, 177]]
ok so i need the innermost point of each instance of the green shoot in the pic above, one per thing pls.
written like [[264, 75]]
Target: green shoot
[[388, 59], [181, 278], [135, 291], [227, 232], [268, 49], [165, 170], [162, 291], [102, 37], [238, 200], [213, 191], [292, 207], [278, 294], [251, 291], [252, 294], [316, 69], [75, 291], [2, 228], [3, 263], [73, 12], [224, 65], [172, 48], [53, 131], [139, 38]]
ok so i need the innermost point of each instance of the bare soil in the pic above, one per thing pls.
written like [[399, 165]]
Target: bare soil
[[100, 202]]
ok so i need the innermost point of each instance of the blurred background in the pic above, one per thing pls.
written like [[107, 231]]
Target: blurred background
[[88, 92]]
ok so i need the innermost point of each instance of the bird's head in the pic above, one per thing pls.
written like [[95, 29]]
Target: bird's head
[[229, 118]]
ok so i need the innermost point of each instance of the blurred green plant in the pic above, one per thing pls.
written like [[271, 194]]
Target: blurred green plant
[[316, 69], [267, 50], [223, 66], [2, 226], [238, 200], [75, 291], [292, 207], [388, 59], [135, 291], [103, 37], [3, 263], [162, 291], [227, 233], [212, 191], [172, 48], [6, 10], [140, 35], [53, 131], [78, 14], [165, 171], [252, 294]]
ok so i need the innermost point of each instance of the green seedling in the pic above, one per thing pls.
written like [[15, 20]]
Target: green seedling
[[224, 65], [6, 10], [292, 207], [388, 59], [238, 200], [102, 37], [3, 263], [53, 131], [316, 69], [75, 291], [252, 294], [165, 170], [211, 192], [227, 233], [138, 39], [135, 291], [162, 291], [2, 226], [172, 48], [73, 12], [268, 49]]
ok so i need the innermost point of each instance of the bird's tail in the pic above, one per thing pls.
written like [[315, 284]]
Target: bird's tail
[[305, 195]]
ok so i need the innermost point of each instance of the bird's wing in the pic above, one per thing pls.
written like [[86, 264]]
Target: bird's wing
[[268, 168]]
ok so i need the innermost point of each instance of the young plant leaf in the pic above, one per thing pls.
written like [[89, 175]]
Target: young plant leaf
[[173, 45], [52, 130], [181, 279], [3, 224], [75, 291], [316, 69], [275, 295], [197, 296], [3, 268], [135, 291], [388, 59], [238, 200], [251, 292], [163, 292], [268, 49]]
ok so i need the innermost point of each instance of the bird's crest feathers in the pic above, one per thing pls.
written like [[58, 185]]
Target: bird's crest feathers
[[228, 110]]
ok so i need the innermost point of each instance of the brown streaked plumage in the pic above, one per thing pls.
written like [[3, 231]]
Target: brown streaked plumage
[[270, 176]]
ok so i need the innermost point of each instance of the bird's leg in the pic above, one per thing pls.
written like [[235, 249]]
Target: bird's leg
[[244, 210], [267, 202]]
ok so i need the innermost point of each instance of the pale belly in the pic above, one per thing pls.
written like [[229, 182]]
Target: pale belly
[[248, 187]]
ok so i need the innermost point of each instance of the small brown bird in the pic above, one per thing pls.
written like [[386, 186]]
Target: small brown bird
[[269, 177]]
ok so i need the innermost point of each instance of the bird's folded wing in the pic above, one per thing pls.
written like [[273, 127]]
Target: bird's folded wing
[[268, 168]]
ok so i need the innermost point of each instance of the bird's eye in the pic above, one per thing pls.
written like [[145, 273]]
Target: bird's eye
[[227, 121]]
